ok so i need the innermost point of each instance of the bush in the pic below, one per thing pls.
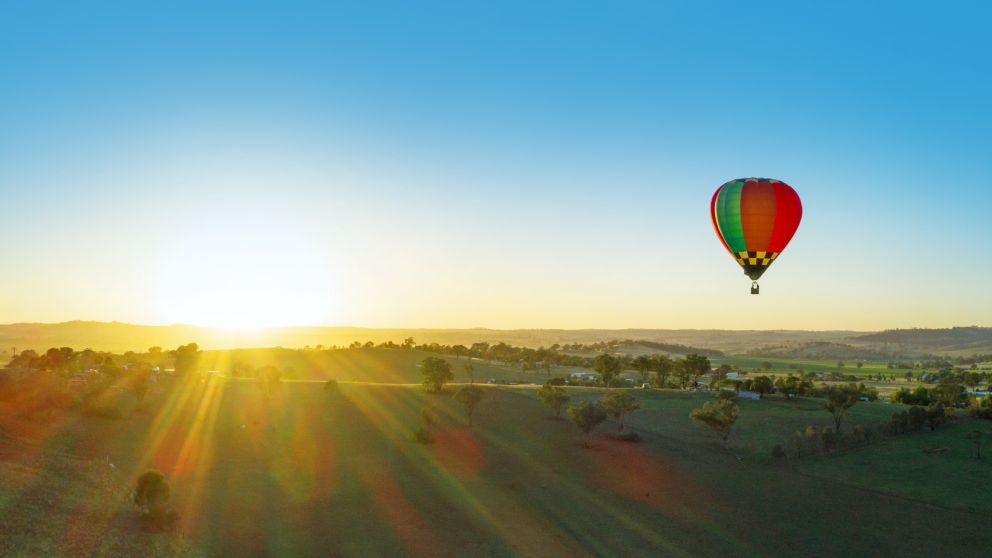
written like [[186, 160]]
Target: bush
[[423, 436], [331, 386]]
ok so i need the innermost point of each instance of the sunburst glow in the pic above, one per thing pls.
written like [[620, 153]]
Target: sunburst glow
[[245, 278]]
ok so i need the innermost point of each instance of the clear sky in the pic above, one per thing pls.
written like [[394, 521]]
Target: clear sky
[[488, 164]]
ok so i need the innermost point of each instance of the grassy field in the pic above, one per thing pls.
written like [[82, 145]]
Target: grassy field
[[304, 472]]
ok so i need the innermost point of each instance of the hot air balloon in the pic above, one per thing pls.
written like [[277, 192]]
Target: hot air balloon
[[755, 219]]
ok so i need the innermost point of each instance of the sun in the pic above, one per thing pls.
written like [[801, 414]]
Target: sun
[[245, 277]]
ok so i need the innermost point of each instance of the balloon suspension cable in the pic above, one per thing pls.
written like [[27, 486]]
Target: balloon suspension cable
[[754, 287]]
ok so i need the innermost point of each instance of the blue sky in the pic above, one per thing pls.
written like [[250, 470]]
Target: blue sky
[[494, 164]]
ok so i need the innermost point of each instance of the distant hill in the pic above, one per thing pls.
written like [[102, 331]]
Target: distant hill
[[120, 337], [820, 350], [951, 340]]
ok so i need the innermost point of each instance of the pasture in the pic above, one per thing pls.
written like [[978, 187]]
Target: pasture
[[309, 472]]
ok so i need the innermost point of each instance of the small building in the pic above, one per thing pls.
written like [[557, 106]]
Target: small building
[[583, 376]]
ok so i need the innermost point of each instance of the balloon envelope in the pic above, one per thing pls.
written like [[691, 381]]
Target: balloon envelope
[[755, 219]]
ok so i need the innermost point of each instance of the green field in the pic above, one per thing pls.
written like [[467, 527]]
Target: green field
[[306, 472]]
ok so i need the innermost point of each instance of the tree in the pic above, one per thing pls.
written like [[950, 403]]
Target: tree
[[839, 400], [436, 372], [619, 404], [408, 343], [949, 393], [663, 369], [691, 368], [554, 396], [151, 495], [187, 359], [423, 434], [607, 366], [470, 396], [642, 364], [762, 385], [469, 371], [587, 416], [719, 416]]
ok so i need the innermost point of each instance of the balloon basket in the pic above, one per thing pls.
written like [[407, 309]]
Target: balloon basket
[[754, 287]]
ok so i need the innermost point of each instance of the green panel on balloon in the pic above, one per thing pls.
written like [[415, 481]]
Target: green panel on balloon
[[729, 216]]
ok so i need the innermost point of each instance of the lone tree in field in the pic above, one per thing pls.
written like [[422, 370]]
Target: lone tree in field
[[186, 358], [719, 416], [554, 397], [607, 366], [151, 495], [587, 416], [619, 404], [839, 400], [436, 373], [470, 396]]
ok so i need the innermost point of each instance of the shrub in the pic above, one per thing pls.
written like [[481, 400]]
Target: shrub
[[331, 386]]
